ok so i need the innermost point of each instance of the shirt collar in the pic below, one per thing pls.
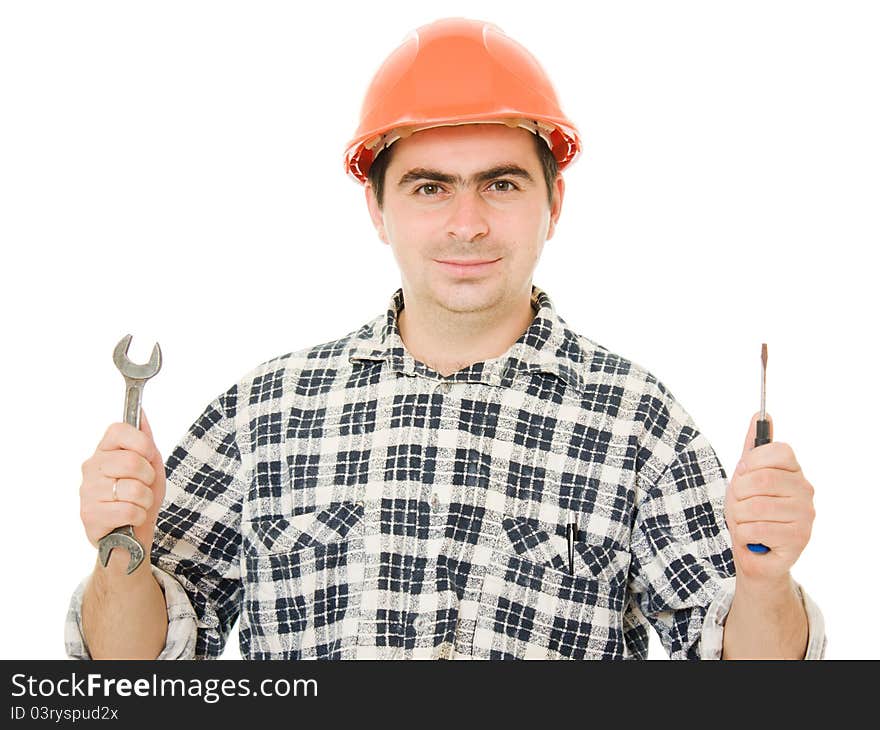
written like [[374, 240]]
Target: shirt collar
[[547, 346]]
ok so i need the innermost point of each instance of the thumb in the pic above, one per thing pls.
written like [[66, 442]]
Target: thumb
[[145, 427], [749, 443], [156, 460], [145, 424]]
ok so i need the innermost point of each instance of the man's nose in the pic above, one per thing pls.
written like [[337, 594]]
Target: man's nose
[[467, 216]]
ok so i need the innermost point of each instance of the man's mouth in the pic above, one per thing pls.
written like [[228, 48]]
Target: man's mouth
[[466, 262], [467, 267]]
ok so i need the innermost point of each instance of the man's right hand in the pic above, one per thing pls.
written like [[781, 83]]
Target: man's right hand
[[130, 456]]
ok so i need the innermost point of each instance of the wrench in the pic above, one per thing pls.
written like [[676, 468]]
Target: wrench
[[135, 376]]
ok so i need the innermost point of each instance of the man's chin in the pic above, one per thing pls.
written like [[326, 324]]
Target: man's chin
[[469, 297]]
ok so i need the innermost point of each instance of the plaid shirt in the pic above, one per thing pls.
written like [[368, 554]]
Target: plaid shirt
[[347, 501]]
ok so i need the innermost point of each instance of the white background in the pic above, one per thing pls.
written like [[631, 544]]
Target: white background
[[174, 170]]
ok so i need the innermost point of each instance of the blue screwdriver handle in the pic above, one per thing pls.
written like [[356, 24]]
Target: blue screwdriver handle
[[762, 436]]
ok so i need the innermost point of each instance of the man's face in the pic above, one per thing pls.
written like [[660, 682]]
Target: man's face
[[468, 193]]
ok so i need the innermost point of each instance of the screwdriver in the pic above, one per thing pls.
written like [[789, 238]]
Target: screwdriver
[[762, 430]]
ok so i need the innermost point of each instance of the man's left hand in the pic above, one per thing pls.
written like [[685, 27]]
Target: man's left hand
[[768, 501]]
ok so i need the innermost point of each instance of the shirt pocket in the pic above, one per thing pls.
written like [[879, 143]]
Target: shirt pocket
[[531, 607], [304, 577]]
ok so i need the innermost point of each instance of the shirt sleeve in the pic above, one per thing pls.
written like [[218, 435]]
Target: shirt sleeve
[[198, 533], [180, 639], [195, 554], [712, 638], [681, 554]]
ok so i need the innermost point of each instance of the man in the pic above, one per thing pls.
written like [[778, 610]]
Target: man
[[406, 491]]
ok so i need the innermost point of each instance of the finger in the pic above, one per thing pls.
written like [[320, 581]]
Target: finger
[[124, 464], [769, 483], [749, 444], [100, 490], [777, 455], [104, 517], [767, 509], [772, 534], [127, 490], [125, 436]]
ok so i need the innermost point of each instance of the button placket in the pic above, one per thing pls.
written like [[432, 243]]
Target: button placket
[[423, 623], [442, 387]]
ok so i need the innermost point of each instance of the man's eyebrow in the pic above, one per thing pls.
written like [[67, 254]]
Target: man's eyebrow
[[505, 170]]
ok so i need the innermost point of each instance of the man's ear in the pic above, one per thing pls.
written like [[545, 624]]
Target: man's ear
[[556, 208], [375, 213]]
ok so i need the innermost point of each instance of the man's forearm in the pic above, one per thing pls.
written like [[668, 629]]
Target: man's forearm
[[124, 616], [766, 622]]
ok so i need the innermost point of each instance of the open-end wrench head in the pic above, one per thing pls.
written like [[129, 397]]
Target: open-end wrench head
[[121, 540], [133, 370]]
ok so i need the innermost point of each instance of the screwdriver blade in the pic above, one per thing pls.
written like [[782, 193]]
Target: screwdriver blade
[[763, 381]]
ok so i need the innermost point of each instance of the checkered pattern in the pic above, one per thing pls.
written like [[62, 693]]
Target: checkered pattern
[[347, 501]]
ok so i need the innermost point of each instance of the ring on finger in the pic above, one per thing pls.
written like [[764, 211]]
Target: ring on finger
[[115, 495]]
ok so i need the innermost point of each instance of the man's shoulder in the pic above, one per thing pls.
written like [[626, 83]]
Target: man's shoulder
[[633, 394], [325, 357], [598, 366]]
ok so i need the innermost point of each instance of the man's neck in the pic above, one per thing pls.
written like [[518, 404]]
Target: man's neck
[[450, 341]]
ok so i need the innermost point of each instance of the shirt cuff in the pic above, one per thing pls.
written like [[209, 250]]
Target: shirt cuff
[[712, 636], [180, 640]]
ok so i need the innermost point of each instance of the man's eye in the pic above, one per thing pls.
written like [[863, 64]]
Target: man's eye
[[432, 189]]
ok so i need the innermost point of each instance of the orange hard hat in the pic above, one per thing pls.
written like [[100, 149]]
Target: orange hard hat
[[458, 71]]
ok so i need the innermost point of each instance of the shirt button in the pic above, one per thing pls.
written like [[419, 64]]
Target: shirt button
[[421, 623], [435, 503]]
